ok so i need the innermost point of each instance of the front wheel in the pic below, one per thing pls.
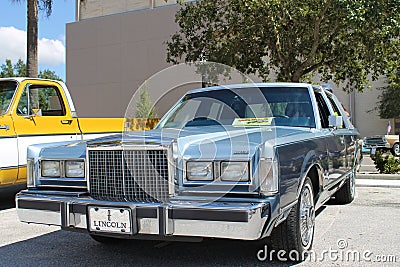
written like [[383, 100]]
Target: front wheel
[[396, 150], [296, 234]]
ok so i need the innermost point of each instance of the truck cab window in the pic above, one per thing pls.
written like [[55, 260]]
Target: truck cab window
[[43, 101]]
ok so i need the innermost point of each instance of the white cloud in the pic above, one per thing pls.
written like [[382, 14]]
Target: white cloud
[[51, 52], [13, 46]]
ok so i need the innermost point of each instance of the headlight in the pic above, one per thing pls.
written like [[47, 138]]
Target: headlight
[[51, 168], [199, 171], [75, 168], [235, 171]]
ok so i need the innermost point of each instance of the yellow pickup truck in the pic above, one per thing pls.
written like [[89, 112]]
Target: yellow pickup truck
[[40, 111]]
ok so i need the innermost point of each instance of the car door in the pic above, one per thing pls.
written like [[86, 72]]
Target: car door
[[348, 132], [41, 115], [335, 143]]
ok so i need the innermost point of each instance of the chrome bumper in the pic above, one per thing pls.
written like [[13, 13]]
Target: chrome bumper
[[383, 145], [246, 221]]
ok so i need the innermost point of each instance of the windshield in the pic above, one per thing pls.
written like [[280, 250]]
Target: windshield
[[281, 106], [7, 90]]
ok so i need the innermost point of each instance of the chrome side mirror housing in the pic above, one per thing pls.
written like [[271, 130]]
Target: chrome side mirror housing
[[335, 121]]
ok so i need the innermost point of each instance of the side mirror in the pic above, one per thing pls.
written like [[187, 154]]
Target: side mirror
[[37, 112], [34, 113], [335, 121]]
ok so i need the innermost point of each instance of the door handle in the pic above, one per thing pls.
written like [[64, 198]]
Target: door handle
[[66, 121], [4, 127]]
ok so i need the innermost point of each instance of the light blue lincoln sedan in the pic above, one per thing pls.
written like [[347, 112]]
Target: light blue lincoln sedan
[[246, 161]]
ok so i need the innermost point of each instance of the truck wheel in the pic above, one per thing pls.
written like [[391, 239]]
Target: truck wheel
[[346, 193], [295, 235], [396, 150]]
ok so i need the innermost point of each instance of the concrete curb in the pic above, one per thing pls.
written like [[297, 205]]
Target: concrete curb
[[378, 176], [377, 183]]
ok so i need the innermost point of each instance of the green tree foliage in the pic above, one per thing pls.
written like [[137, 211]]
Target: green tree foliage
[[49, 74], [144, 107], [9, 70], [19, 70], [342, 40], [389, 100]]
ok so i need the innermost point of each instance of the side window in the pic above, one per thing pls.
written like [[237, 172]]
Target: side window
[[41, 100], [323, 110], [336, 109], [334, 106]]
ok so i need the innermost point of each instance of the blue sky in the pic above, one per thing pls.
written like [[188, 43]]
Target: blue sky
[[51, 33]]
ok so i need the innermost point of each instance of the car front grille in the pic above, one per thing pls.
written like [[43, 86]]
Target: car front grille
[[128, 175]]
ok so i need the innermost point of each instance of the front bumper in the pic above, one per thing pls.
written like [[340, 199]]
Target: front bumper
[[234, 220], [380, 145]]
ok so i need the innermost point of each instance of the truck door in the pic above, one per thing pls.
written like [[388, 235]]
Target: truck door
[[8, 137], [42, 115], [9, 154]]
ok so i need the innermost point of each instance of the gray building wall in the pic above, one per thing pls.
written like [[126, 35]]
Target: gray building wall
[[96, 8], [109, 57]]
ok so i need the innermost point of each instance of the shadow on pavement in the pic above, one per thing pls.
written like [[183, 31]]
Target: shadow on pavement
[[71, 249]]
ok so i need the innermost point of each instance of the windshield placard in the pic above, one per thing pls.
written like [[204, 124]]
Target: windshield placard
[[245, 122]]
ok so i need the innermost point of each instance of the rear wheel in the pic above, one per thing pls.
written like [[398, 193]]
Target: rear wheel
[[295, 235], [346, 193]]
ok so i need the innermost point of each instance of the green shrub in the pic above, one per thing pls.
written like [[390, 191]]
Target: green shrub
[[392, 165], [385, 163]]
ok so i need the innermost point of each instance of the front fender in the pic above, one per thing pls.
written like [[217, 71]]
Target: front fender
[[311, 160]]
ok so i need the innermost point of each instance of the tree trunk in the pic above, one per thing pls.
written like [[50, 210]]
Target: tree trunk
[[32, 39], [296, 76]]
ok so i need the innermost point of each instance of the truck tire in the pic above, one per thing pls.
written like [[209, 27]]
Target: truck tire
[[346, 193], [396, 150], [295, 235]]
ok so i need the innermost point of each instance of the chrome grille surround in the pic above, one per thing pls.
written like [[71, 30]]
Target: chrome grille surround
[[130, 174]]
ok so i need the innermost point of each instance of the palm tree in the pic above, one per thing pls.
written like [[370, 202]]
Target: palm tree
[[32, 32]]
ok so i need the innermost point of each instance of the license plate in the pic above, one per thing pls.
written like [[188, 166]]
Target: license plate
[[110, 220]]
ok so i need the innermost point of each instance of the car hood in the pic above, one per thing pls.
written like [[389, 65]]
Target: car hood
[[208, 141]]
